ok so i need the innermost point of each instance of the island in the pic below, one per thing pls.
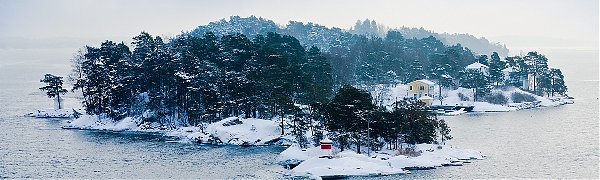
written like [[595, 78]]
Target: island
[[344, 103]]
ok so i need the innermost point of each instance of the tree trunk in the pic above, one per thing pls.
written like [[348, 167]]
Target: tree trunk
[[440, 95], [358, 146], [58, 100], [282, 131]]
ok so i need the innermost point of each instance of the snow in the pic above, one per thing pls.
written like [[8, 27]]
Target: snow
[[385, 162], [232, 131], [426, 81], [248, 132], [425, 98], [97, 123], [55, 113], [451, 97], [476, 65]]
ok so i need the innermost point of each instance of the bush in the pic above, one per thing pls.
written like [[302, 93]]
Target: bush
[[233, 122], [463, 97], [408, 151], [521, 97], [497, 98]]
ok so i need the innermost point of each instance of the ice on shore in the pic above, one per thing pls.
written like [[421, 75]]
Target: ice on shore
[[56, 113], [233, 130], [385, 162]]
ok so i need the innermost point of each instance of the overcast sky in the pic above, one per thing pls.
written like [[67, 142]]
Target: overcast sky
[[498, 20]]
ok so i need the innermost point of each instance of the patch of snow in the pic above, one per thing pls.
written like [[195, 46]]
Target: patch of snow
[[385, 162], [56, 113]]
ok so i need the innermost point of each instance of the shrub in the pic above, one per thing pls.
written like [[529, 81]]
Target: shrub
[[463, 97], [521, 97], [233, 122], [497, 98], [408, 151]]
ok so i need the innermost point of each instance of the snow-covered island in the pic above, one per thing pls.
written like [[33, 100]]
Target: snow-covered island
[[316, 163], [373, 100]]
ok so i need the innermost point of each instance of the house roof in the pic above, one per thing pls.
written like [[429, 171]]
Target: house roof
[[425, 98], [476, 65], [428, 82]]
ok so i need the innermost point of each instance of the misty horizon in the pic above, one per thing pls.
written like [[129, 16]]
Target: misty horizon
[[552, 24]]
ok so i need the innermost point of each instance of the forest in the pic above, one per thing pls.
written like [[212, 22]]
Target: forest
[[195, 79]]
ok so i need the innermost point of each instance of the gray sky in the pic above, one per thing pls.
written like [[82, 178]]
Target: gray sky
[[520, 22]]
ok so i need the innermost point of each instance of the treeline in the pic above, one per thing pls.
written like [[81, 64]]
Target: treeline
[[200, 79], [194, 80], [359, 59], [531, 70], [477, 45], [534, 67]]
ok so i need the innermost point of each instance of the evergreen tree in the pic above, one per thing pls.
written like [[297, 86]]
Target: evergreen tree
[[318, 82], [444, 131], [440, 72], [496, 67], [520, 71], [347, 115], [483, 59], [53, 87], [538, 66], [416, 72], [477, 81], [558, 82]]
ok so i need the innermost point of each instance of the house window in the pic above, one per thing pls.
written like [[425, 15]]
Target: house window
[[421, 88]]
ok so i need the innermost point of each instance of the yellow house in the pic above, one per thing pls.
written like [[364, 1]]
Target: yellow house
[[420, 88]]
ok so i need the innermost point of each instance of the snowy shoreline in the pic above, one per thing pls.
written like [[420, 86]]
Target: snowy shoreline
[[458, 96], [306, 162], [311, 164]]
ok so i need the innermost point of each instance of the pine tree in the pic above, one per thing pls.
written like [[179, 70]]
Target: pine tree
[[558, 82], [53, 87], [318, 82], [538, 66], [347, 114], [483, 59], [475, 80], [496, 67], [416, 72]]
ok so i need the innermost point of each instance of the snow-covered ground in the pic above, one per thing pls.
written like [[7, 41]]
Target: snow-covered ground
[[55, 113], [388, 94], [314, 165], [236, 131], [233, 130]]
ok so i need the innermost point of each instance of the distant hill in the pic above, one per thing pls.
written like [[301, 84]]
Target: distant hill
[[479, 45], [359, 56], [311, 34]]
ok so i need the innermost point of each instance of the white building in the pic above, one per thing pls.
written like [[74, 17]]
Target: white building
[[525, 81], [479, 67]]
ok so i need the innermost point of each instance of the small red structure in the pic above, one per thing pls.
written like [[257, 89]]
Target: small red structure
[[326, 144]]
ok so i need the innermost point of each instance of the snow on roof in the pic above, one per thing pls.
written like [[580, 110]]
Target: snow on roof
[[476, 65], [425, 98], [425, 81], [326, 140]]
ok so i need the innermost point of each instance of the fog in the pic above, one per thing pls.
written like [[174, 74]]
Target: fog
[[521, 24]]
